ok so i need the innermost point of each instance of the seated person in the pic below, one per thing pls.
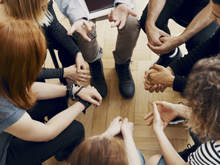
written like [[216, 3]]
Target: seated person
[[69, 54], [128, 31], [202, 111], [191, 14], [175, 75], [109, 148], [24, 134]]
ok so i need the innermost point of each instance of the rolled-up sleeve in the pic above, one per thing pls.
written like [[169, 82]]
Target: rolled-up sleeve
[[72, 9]]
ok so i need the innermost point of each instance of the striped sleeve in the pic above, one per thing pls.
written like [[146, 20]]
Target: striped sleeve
[[207, 153]]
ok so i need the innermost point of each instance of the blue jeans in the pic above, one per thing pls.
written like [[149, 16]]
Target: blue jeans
[[141, 156], [161, 161]]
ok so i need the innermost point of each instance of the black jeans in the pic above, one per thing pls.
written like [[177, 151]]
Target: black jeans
[[21, 152], [182, 12]]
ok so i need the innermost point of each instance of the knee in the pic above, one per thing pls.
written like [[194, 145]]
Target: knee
[[153, 160], [79, 128], [132, 26]]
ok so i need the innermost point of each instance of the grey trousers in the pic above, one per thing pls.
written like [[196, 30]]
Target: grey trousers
[[125, 44]]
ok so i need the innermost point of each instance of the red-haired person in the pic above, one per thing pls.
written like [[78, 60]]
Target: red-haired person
[[25, 138], [108, 148], [203, 113]]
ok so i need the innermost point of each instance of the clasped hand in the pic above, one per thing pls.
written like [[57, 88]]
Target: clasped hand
[[119, 125], [158, 78]]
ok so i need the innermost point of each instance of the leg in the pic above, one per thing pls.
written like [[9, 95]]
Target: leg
[[92, 54], [171, 6], [35, 153], [126, 41]]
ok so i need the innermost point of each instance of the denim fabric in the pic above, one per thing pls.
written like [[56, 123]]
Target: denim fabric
[[141, 156], [161, 161]]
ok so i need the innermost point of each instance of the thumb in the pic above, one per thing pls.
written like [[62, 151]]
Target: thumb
[[164, 34], [157, 67], [72, 29], [132, 13], [156, 113], [78, 68]]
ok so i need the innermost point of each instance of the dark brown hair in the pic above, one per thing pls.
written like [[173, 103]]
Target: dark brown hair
[[203, 90], [22, 53], [99, 151]]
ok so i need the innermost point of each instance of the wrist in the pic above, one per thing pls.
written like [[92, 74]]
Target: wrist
[[171, 80], [171, 70], [107, 134], [65, 72]]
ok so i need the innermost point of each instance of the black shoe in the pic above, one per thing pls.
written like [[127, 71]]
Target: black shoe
[[165, 60], [126, 82], [177, 120], [98, 78], [185, 154]]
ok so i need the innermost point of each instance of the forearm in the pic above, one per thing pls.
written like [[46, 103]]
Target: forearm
[[48, 91], [154, 9], [198, 23], [183, 110], [50, 73], [62, 120], [169, 153], [131, 151]]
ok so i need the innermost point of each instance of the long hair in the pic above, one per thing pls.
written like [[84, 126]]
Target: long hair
[[22, 53], [203, 90], [31, 10], [99, 151]]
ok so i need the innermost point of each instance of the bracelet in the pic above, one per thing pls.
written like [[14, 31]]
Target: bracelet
[[68, 91], [85, 103], [79, 90]]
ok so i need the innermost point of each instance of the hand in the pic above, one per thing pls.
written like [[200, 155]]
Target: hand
[[114, 127], [91, 95], [127, 128], [160, 75], [154, 34], [119, 15], [168, 44], [159, 120], [150, 86], [167, 112], [80, 63], [83, 27], [71, 74]]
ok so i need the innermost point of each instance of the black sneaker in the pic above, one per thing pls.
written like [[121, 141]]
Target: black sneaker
[[126, 82], [185, 153], [177, 120], [165, 60], [98, 78]]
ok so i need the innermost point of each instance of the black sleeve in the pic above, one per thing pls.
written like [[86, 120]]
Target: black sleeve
[[179, 83], [208, 48], [49, 73], [59, 33]]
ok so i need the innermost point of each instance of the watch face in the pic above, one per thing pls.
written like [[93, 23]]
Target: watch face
[[96, 5]]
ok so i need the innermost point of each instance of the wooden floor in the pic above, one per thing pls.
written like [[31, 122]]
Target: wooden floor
[[97, 120]]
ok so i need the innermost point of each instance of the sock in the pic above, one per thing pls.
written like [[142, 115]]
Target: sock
[[174, 54]]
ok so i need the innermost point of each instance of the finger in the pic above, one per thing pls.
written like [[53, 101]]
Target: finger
[[158, 88], [132, 13], [155, 49], [78, 68], [164, 34], [112, 15], [153, 88], [94, 101], [110, 18], [87, 26], [158, 67], [122, 24], [150, 122], [156, 113], [85, 37], [98, 97], [148, 115], [115, 24], [84, 76], [72, 29], [78, 83], [162, 88], [125, 120]]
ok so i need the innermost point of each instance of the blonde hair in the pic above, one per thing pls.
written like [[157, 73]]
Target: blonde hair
[[99, 151], [22, 53], [31, 10], [203, 90]]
